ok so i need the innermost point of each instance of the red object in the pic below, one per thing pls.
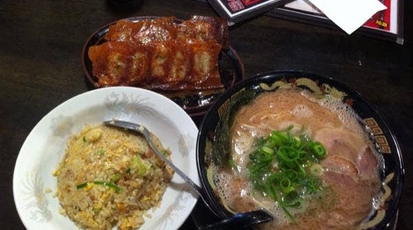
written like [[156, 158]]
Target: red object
[[250, 2], [381, 20]]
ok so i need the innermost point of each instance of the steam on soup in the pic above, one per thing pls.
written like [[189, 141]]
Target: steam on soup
[[334, 188]]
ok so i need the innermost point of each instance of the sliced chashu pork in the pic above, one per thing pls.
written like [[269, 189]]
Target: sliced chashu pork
[[351, 170]]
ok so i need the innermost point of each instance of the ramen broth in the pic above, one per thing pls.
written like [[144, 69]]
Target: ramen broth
[[350, 169]]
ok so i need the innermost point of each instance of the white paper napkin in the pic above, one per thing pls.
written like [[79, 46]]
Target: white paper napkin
[[349, 15]]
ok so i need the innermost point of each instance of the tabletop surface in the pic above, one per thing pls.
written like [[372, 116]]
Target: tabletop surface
[[40, 67]]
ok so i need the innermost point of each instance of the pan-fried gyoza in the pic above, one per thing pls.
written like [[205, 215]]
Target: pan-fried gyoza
[[161, 53]]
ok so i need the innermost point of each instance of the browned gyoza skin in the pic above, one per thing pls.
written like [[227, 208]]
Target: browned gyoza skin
[[161, 53]]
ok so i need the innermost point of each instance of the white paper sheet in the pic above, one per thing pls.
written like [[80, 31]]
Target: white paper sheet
[[349, 15]]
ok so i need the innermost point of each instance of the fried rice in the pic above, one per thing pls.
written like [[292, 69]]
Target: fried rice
[[110, 177]]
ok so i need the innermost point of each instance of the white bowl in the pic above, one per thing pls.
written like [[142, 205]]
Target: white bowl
[[34, 185]]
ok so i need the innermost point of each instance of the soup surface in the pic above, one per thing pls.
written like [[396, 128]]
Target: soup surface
[[349, 171]]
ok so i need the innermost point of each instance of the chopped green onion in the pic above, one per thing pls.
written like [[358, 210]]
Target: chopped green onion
[[232, 164], [316, 170], [101, 151], [267, 150], [319, 149], [108, 184], [138, 165], [165, 152], [287, 154], [115, 178], [285, 168], [83, 185]]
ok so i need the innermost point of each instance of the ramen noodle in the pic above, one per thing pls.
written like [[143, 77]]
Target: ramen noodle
[[110, 177], [349, 172]]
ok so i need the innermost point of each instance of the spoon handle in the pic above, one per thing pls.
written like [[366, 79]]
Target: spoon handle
[[240, 221], [176, 169]]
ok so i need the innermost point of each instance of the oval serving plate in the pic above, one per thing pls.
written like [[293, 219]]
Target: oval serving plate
[[231, 70], [219, 116], [34, 185]]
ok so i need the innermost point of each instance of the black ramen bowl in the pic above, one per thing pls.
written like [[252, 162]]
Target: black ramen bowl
[[216, 123]]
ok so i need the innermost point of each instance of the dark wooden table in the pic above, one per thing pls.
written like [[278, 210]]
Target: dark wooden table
[[41, 42]]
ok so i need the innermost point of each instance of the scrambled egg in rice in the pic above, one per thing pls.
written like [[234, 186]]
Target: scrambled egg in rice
[[110, 177]]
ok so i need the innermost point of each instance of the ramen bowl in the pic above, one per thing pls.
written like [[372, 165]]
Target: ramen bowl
[[215, 143]]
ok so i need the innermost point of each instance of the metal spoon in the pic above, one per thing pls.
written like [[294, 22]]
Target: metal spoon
[[237, 221]]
